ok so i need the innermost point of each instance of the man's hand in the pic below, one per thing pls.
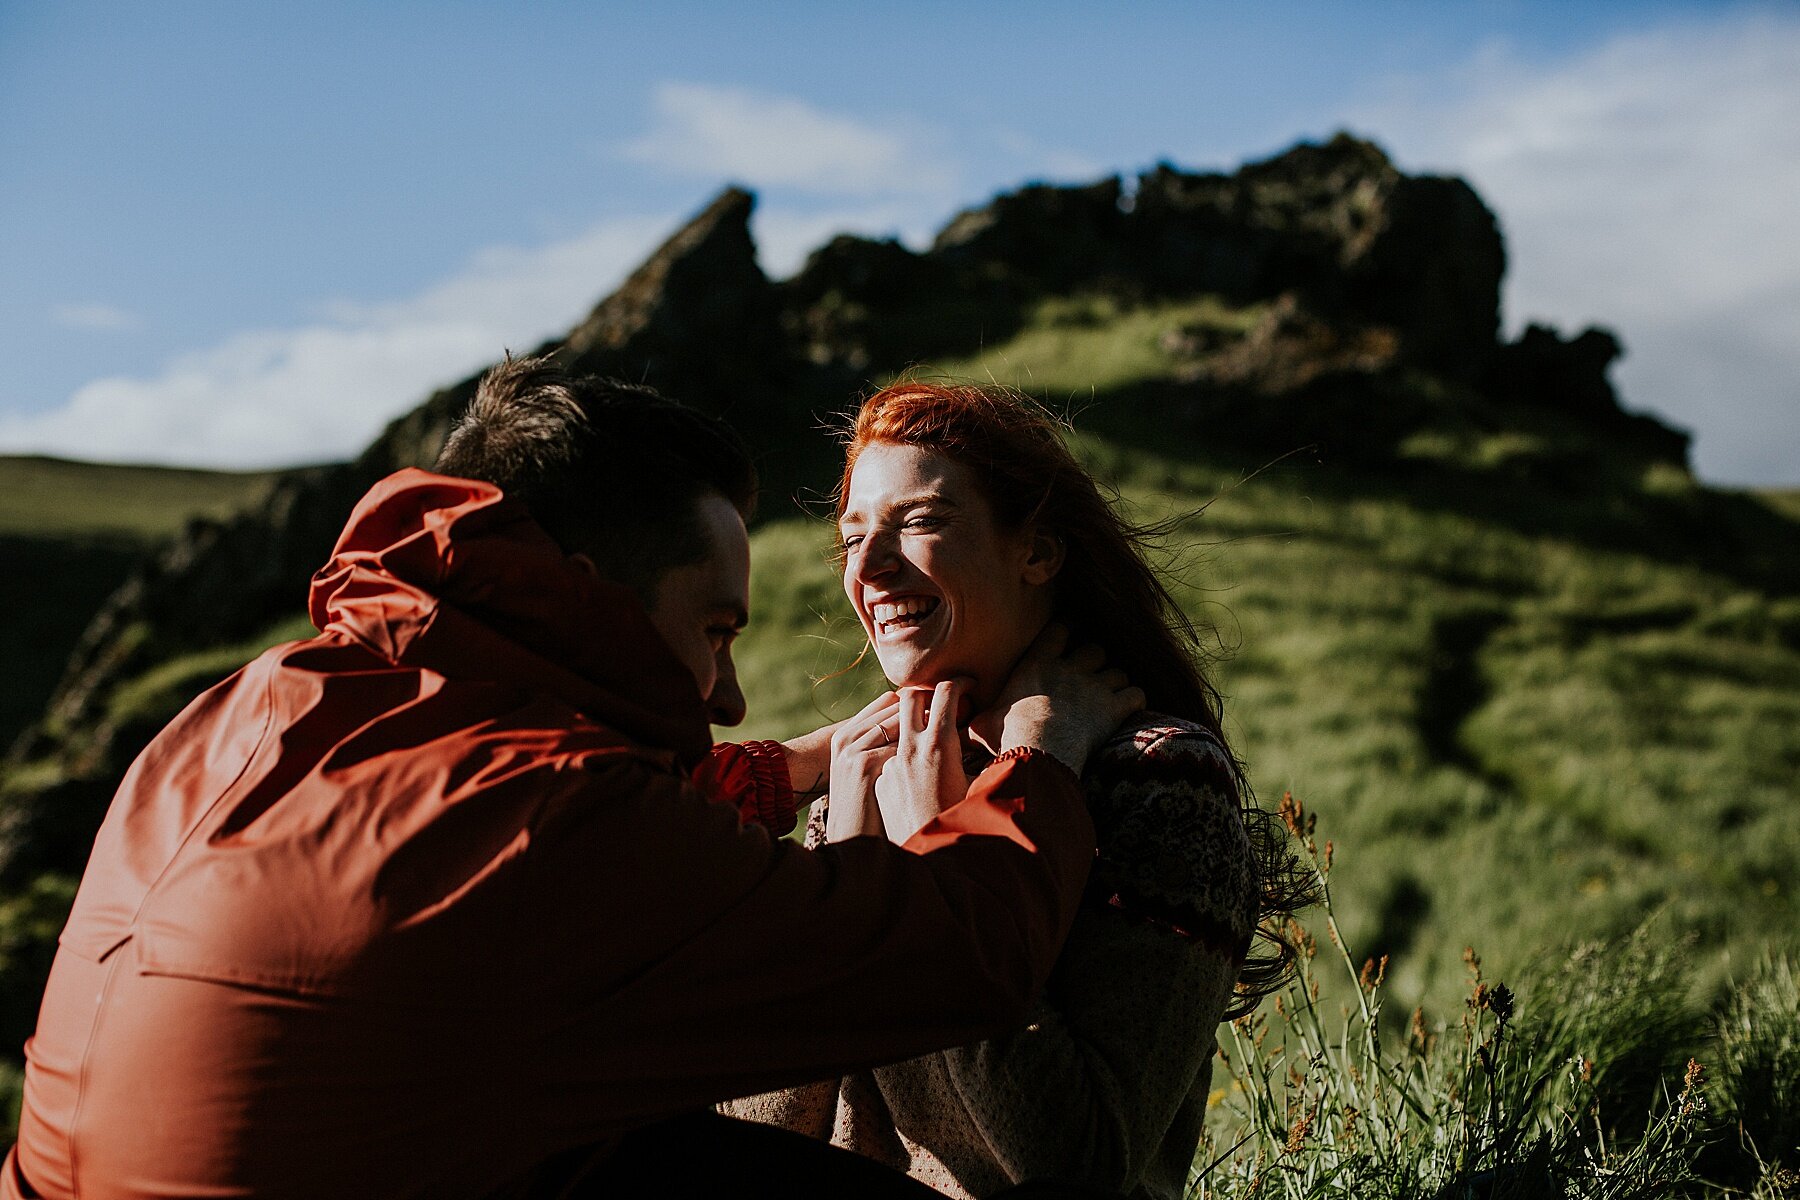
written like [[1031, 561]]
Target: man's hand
[[924, 776], [1062, 703], [860, 747]]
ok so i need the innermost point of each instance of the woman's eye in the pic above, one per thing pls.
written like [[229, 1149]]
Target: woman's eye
[[852, 541], [924, 522]]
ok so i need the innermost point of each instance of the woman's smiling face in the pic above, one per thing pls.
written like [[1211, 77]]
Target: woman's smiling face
[[939, 587]]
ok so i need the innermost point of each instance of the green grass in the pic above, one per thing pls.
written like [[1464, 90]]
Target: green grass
[[1072, 347], [1592, 1073], [54, 498]]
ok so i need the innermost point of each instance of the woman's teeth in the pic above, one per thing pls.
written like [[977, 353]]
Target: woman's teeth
[[901, 613]]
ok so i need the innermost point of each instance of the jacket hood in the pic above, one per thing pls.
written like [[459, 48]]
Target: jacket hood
[[451, 576]]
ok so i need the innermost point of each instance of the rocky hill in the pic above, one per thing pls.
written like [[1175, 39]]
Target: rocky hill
[[1321, 302]]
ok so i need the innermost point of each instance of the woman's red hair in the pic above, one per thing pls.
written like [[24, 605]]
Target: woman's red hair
[[1107, 591]]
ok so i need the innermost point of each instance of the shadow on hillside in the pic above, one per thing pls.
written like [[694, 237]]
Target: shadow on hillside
[[1346, 452], [50, 589]]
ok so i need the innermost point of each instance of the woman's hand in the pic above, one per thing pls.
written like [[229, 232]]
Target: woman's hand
[[1062, 703], [860, 747], [924, 776]]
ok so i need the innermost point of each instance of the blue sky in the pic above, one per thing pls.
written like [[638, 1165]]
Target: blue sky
[[248, 234]]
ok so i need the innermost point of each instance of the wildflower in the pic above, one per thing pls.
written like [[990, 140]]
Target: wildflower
[[1693, 1089]]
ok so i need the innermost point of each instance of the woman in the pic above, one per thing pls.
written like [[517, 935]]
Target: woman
[[968, 529]]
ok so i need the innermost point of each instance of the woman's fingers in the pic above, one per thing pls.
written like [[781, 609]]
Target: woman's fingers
[[946, 706], [870, 710], [915, 710], [873, 725]]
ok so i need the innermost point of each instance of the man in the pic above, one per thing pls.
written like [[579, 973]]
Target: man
[[431, 905]]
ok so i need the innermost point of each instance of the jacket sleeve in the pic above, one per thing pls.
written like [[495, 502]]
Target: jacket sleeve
[[753, 778], [672, 957], [1106, 1067], [808, 1108]]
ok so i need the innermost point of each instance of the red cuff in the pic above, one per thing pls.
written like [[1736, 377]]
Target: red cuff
[[753, 778], [998, 796]]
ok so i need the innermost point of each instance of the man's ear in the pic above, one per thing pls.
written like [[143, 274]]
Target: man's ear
[[1044, 557], [585, 565]]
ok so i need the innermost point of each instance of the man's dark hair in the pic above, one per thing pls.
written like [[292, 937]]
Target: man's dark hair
[[610, 469]]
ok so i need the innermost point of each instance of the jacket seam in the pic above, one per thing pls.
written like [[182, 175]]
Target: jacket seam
[[262, 736], [81, 1086]]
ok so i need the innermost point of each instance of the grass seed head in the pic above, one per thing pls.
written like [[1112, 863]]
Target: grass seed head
[[1297, 1135], [1373, 973], [1500, 1001], [1292, 813]]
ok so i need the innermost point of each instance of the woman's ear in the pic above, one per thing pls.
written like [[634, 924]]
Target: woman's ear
[[1044, 557]]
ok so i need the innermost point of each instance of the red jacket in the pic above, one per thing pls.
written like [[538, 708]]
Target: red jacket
[[403, 910]]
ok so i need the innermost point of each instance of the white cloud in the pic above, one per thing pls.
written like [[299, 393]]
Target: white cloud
[[777, 141], [322, 391], [786, 236], [1045, 161], [1649, 185], [95, 318]]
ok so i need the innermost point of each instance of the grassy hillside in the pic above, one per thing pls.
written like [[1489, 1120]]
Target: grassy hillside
[[1526, 713], [1514, 740], [56, 498], [69, 533]]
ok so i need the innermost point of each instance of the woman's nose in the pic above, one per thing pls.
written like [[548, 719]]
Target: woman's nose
[[874, 558]]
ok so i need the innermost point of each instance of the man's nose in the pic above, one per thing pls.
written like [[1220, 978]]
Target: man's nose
[[726, 705]]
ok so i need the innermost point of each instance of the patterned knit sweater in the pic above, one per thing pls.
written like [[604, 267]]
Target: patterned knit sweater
[[1106, 1083]]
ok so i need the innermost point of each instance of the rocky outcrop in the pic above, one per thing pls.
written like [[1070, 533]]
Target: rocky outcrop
[[1569, 377], [1336, 226]]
